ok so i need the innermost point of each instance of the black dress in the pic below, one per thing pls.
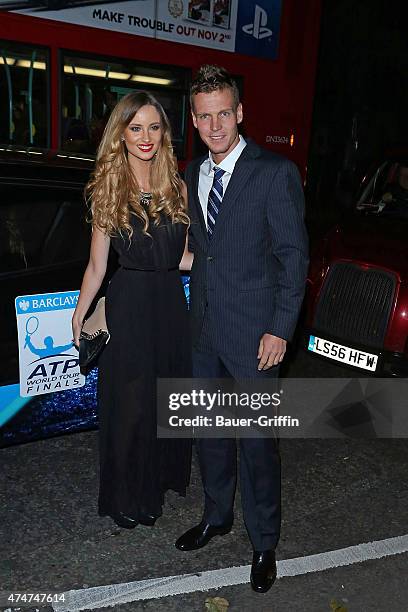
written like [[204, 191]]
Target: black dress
[[146, 313]]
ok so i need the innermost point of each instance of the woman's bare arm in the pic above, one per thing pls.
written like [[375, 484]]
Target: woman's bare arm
[[187, 259], [93, 277]]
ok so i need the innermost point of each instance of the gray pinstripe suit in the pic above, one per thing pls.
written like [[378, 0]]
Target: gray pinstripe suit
[[247, 281]]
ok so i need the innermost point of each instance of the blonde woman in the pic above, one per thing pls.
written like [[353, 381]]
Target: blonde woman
[[138, 204]]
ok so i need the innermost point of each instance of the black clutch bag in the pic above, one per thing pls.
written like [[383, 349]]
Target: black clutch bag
[[94, 335]]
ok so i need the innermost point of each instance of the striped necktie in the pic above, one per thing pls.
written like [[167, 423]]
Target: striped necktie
[[214, 200]]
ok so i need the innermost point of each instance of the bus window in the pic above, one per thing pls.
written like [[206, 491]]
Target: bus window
[[23, 95], [91, 86], [37, 224]]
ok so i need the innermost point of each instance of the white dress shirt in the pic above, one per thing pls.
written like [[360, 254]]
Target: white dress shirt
[[206, 176]]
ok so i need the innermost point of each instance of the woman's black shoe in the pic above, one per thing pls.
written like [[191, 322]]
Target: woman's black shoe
[[129, 523], [124, 521], [147, 519]]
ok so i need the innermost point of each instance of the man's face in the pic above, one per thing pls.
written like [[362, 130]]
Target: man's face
[[217, 121], [403, 177]]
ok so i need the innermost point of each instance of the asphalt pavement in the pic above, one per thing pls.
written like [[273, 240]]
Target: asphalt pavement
[[337, 494]]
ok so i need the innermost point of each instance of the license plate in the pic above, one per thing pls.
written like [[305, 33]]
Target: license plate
[[345, 354]]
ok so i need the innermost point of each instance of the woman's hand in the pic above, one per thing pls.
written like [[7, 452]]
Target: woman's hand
[[76, 330]]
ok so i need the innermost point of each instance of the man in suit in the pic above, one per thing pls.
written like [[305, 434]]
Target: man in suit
[[247, 284]]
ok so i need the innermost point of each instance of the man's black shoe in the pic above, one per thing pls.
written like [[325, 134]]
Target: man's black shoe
[[263, 571], [200, 535]]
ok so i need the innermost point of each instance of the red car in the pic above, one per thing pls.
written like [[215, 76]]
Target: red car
[[357, 297]]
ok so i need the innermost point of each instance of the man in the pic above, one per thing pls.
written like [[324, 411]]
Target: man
[[395, 200], [247, 285]]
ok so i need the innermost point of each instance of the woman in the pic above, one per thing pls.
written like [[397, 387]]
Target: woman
[[138, 204]]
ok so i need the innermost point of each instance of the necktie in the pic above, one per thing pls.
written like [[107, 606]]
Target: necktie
[[214, 200]]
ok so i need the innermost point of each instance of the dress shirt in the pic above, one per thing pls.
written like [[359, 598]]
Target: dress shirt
[[206, 176]]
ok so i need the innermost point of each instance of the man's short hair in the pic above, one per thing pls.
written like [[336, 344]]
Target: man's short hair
[[211, 78]]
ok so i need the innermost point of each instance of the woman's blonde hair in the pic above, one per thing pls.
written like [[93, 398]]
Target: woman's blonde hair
[[113, 191]]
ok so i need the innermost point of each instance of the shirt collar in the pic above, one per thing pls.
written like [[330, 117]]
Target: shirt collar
[[228, 163]]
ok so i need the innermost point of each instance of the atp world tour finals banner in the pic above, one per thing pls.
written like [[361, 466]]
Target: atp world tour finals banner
[[48, 359], [250, 27]]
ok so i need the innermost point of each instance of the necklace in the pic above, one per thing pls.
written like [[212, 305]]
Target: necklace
[[145, 198]]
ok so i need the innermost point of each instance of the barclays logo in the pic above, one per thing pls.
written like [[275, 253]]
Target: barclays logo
[[258, 28], [24, 305]]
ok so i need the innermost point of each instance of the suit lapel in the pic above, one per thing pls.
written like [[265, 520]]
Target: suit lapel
[[243, 169]]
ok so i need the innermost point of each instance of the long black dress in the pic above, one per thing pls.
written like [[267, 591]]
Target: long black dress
[[146, 313]]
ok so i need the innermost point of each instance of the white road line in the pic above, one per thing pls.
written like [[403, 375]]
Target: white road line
[[154, 588]]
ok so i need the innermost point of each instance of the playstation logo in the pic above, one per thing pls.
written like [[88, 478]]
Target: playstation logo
[[258, 28]]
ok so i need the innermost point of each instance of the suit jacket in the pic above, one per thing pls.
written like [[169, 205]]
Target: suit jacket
[[249, 279]]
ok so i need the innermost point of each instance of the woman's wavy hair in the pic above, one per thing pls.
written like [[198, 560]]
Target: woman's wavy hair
[[113, 191]]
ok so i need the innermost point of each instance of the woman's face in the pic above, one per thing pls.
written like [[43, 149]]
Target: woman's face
[[143, 135]]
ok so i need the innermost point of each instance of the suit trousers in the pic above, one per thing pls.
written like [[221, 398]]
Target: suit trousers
[[260, 473]]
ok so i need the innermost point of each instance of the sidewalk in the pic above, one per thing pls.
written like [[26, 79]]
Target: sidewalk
[[336, 493]]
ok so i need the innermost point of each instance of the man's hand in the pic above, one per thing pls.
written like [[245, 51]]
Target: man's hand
[[271, 351]]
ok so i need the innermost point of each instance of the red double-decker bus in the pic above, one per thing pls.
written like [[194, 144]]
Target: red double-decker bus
[[63, 66], [65, 63]]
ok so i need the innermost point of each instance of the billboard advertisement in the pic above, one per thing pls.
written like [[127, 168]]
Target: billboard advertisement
[[250, 27]]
